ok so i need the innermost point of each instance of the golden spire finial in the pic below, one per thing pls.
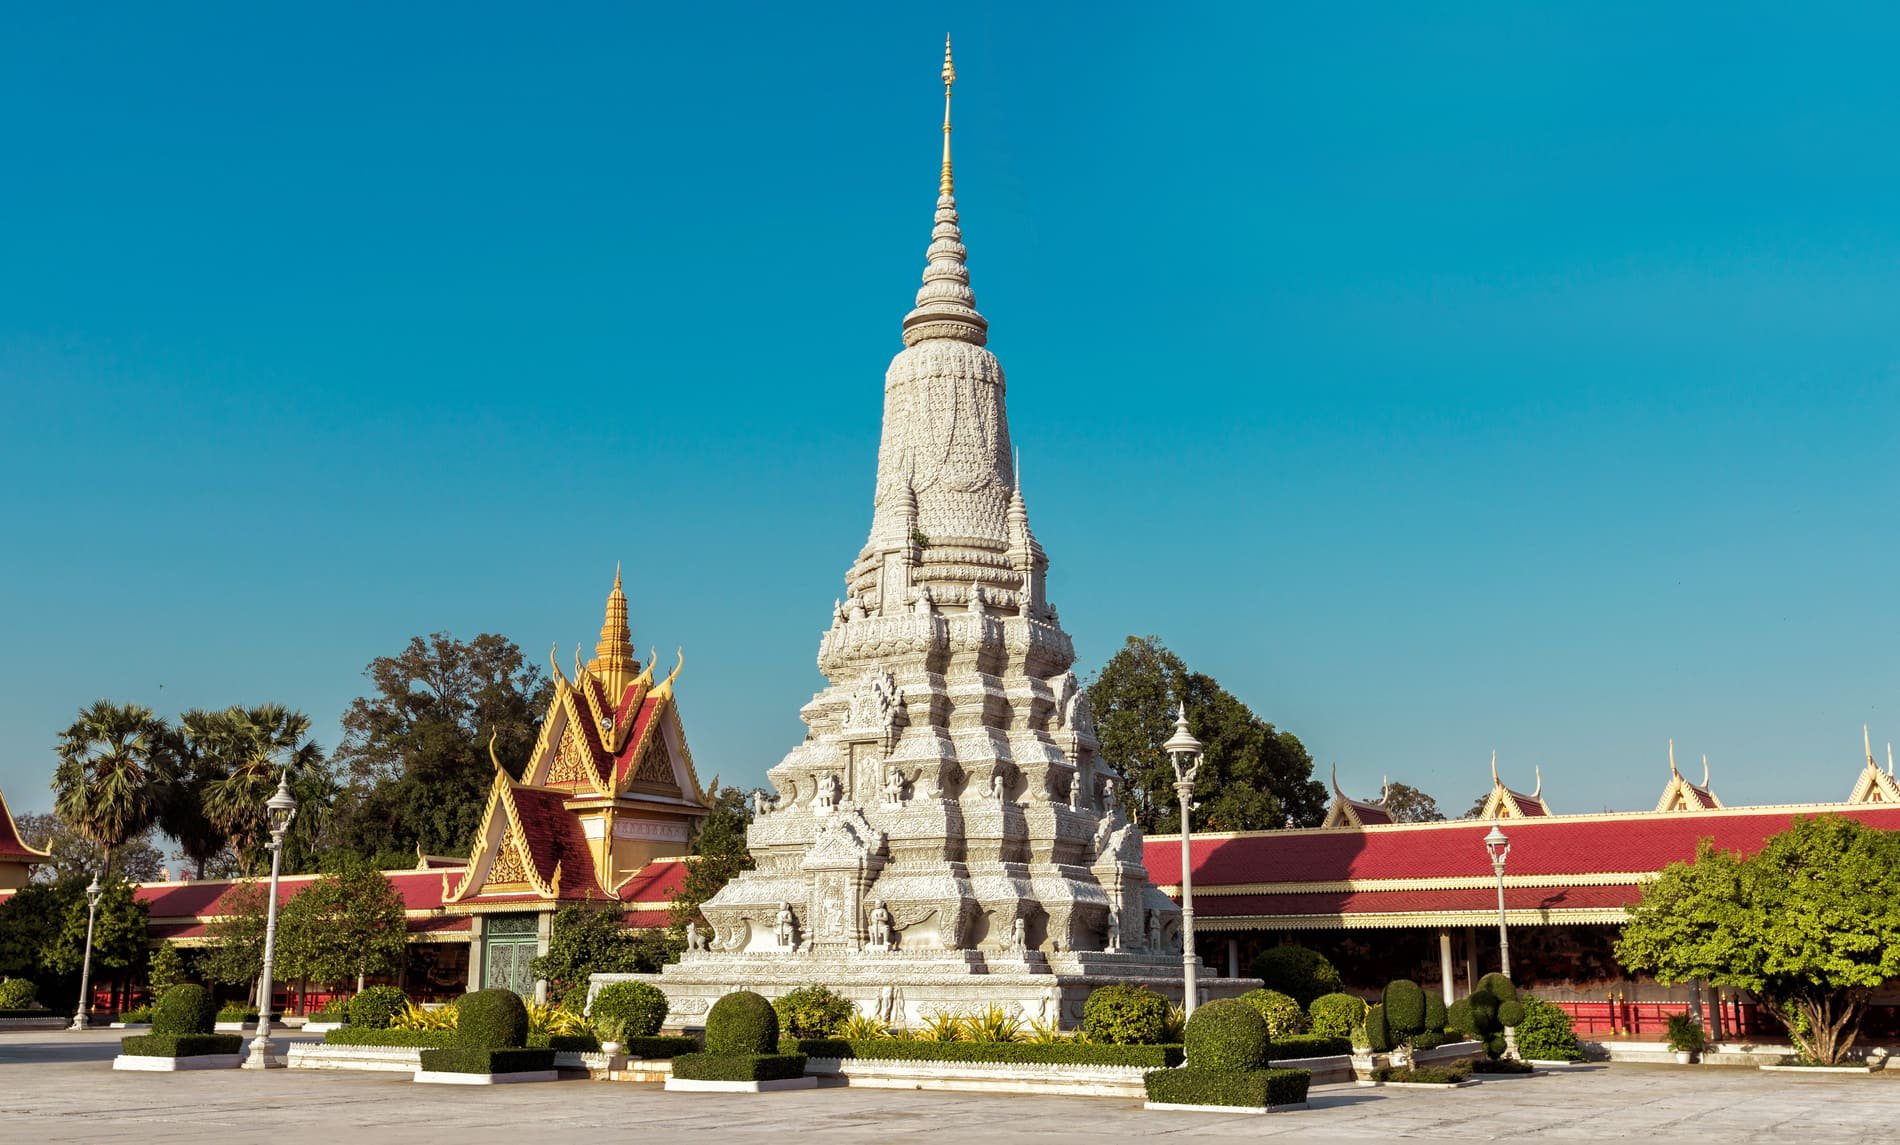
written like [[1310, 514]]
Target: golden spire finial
[[613, 655], [947, 185]]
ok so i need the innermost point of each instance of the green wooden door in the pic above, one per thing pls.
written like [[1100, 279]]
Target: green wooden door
[[509, 944]]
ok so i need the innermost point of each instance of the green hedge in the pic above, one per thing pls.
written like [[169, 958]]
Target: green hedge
[[491, 1019], [185, 1009], [1125, 1014], [738, 1067], [1228, 1036], [1425, 1074], [482, 1059], [813, 1012], [375, 1006], [641, 1005], [565, 1043], [1378, 1033], [660, 1047], [741, 1023], [364, 1036], [1012, 1053], [1253, 1089], [1404, 1009], [1335, 1015], [1308, 1046], [1505, 1065], [180, 1045], [17, 993], [1430, 1040]]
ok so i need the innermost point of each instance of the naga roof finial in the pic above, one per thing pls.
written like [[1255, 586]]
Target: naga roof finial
[[1672, 758], [1867, 741], [1705, 771], [1495, 781]]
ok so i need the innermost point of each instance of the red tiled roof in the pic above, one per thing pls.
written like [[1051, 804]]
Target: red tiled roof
[[1549, 846], [642, 726], [1475, 899], [1370, 813], [420, 890], [554, 839], [657, 882]]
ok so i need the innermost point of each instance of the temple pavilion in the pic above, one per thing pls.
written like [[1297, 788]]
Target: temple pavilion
[[17, 856]]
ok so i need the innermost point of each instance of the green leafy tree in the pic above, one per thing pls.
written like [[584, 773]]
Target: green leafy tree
[[115, 761], [415, 752], [203, 747], [591, 938], [1253, 775], [76, 857], [343, 926], [720, 853], [258, 746], [168, 968], [1410, 805], [29, 919], [236, 931], [118, 941], [1809, 925]]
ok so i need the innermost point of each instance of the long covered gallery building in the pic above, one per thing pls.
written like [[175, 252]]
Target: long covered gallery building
[[1386, 900]]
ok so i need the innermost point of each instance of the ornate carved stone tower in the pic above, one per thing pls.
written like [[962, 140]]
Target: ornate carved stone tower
[[945, 835]]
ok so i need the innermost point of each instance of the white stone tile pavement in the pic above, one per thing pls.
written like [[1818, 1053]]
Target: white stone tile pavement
[[59, 1087]]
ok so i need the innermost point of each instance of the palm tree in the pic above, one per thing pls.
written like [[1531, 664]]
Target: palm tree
[[257, 743], [115, 763], [202, 747]]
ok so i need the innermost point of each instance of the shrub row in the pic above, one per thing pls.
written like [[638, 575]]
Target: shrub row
[[35, 1012], [738, 1067], [1252, 1089], [1308, 1046], [180, 1045], [660, 1047], [1425, 1074], [1503, 1065], [486, 1059], [1010, 1053], [437, 1039]]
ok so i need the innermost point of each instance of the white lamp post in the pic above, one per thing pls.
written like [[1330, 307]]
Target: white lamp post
[[1185, 750], [281, 808], [1498, 845], [93, 891]]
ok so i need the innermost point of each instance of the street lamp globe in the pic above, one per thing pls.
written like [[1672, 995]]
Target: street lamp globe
[[1498, 844], [281, 808], [1182, 743], [93, 891]]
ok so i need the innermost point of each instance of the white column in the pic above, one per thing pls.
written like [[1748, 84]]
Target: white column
[[1444, 965], [1233, 958], [544, 931]]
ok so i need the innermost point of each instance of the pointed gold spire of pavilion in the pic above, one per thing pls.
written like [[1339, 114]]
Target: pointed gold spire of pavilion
[[946, 307], [614, 663]]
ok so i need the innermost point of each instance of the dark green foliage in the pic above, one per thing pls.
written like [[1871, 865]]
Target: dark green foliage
[[1502, 1066], [1459, 1018], [360, 1036], [590, 938], [1309, 1046], [641, 1005], [719, 852], [17, 994], [237, 1012], [373, 1008], [180, 1045], [1378, 1034], [1125, 1015], [487, 1059], [1226, 1036], [1430, 1039], [813, 1012], [1253, 1089], [236, 956], [1297, 972], [1434, 1012], [167, 969], [738, 1067], [118, 940], [1495, 1045], [586, 1043], [1479, 1016], [1498, 986], [659, 1047], [491, 1019], [1484, 1012], [1404, 1009], [347, 924], [415, 751], [1335, 1015], [1547, 1033], [1280, 1012], [1025, 1053], [1425, 1074], [1253, 775], [185, 1009], [1685, 1034], [742, 1023], [1510, 1013]]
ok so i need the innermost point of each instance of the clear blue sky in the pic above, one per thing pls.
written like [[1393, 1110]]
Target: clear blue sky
[[1486, 376]]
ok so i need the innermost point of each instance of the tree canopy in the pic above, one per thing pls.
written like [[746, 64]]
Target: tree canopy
[[720, 853], [115, 762], [342, 926], [1809, 925], [1410, 805], [1252, 776], [76, 857], [118, 939], [415, 751], [236, 956]]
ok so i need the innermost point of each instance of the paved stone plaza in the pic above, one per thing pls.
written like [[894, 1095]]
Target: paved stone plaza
[[57, 1087]]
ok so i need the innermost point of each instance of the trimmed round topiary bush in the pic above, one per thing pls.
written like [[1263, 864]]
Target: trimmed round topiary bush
[[1404, 1009], [491, 1020], [813, 1012], [1546, 1033], [1297, 972], [373, 1008], [1498, 986], [1281, 1013], [1435, 1016], [742, 1023], [1510, 1013], [1335, 1015], [1226, 1036], [1378, 1033], [185, 1009], [1484, 1012], [640, 1005], [1125, 1015], [1458, 1017], [17, 993]]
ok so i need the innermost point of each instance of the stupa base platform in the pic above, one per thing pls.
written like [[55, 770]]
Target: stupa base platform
[[906, 990]]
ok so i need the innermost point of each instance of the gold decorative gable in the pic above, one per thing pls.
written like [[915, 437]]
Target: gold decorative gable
[[573, 763], [655, 765], [507, 869]]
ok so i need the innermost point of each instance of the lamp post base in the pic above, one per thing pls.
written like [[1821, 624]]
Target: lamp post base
[[79, 1023], [264, 1055]]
